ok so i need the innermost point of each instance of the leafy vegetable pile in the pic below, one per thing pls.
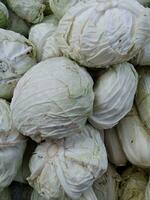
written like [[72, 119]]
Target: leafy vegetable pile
[[74, 100]]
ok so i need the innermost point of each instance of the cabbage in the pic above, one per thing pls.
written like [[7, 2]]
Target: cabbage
[[16, 57], [143, 96], [12, 146], [43, 37], [4, 15], [115, 152], [103, 33], [114, 94], [68, 164], [30, 10], [5, 194], [17, 24], [135, 139], [52, 100], [106, 187], [133, 184]]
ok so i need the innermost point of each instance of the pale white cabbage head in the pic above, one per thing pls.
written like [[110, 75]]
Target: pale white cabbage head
[[30, 10], [53, 100], [143, 96], [133, 185], [12, 146], [114, 149], [4, 15], [16, 57], [114, 95], [107, 186], [99, 34], [5, 194], [135, 139], [69, 165], [43, 37], [17, 24]]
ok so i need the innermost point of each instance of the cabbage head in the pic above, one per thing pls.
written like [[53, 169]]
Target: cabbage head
[[114, 94], [30, 10], [100, 34], [52, 100], [16, 57], [68, 164]]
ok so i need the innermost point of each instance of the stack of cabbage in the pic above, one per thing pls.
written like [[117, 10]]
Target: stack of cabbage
[[74, 99]]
